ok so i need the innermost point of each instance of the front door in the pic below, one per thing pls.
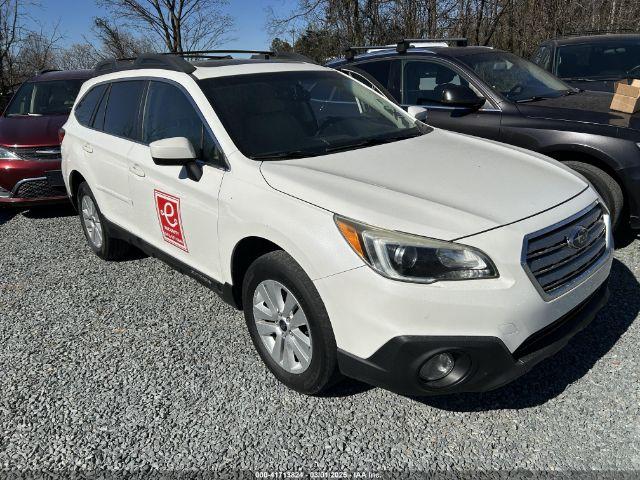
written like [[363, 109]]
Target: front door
[[422, 84], [174, 213]]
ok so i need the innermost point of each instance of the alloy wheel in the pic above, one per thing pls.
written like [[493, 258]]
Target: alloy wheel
[[91, 221], [282, 326]]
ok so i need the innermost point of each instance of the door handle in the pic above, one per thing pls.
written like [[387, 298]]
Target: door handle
[[87, 148], [136, 170]]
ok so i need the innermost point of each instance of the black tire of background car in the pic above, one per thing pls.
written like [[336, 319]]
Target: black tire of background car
[[322, 371], [112, 248], [605, 185]]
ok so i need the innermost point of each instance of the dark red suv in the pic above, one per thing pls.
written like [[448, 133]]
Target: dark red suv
[[29, 138]]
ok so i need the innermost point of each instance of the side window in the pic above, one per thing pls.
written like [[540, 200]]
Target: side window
[[85, 108], [183, 121], [387, 72], [425, 81], [121, 115], [542, 58]]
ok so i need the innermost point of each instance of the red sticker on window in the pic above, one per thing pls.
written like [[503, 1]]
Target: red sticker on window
[[168, 208]]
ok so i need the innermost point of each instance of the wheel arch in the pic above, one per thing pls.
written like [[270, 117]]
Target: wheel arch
[[245, 252], [75, 180], [593, 158]]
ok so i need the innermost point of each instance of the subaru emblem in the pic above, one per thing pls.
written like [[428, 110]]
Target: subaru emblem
[[578, 237]]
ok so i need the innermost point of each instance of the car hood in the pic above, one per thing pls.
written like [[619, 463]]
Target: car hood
[[441, 185], [582, 107], [31, 131]]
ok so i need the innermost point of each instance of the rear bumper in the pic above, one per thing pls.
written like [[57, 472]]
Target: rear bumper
[[482, 363]]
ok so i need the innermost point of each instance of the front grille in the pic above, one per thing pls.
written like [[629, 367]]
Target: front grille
[[560, 255], [37, 189], [37, 153]]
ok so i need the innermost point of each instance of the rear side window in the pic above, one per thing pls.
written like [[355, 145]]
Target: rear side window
[[121, 115], [387, 72], [85, 108], [169, 113]]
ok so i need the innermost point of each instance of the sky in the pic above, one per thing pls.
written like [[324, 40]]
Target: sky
[[75, 17]]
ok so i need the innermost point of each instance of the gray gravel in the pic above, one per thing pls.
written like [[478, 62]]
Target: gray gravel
[[129, 366]]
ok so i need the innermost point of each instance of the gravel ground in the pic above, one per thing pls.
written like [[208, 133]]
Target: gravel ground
[[129, 366]]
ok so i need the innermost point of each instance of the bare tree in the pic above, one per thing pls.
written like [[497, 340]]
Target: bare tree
[[78, 56], [118, 42], [9, 31], [38, 50], [515, 25], [178, 25]]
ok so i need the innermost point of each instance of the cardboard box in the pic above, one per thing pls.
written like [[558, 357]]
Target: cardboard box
[[627, 97]]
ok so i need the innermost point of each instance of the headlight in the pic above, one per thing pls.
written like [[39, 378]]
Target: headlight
[[8, 154], [410, 258]]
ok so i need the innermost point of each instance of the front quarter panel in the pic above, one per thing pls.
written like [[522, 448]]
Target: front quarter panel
[[249, 207]]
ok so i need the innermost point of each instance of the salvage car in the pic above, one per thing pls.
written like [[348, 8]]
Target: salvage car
[[500, 96], [30, 138], [357, 240]]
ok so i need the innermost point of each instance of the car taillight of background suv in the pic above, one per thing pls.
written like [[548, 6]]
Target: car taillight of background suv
[[29, 138]]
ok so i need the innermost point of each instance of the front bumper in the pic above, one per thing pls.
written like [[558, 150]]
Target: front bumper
[[485, 363], [30, 191], [25, 183], [369, 312]]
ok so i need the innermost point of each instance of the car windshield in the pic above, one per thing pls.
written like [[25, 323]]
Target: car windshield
[[299, 114], [53, 97], [514, 77], [603, 61]]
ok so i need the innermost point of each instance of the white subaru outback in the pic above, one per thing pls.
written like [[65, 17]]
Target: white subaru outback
[[356, 239]]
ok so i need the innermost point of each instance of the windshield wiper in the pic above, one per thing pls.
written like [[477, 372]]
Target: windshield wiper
[[369, 142], [284, 155], [535, 98], [24, 114]]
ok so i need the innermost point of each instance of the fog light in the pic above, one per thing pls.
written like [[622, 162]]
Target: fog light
[[437, 367]]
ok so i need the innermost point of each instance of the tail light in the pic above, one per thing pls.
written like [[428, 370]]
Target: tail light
[[61, 135]]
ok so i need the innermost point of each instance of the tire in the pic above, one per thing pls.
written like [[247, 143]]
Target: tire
[[606, 186], [278, 272], [94, 227]]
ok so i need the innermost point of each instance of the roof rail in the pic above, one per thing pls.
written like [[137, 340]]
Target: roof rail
[[403, 45], [178, 61], [48, 70], [146, 60], [598, 32]]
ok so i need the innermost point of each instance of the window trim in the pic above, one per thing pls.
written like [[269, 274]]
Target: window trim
[[225, 166]]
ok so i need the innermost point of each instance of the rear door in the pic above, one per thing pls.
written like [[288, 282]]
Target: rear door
[[107, 149], [174, 213]]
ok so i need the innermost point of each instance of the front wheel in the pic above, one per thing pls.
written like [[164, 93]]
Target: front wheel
[[288, 324], [606, 186]]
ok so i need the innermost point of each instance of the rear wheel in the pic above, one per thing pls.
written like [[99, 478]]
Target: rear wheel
[[94, 227], [606, 186], [288, 324]]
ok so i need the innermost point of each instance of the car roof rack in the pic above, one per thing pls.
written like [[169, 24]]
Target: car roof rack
[[403, 45], [179, 62]]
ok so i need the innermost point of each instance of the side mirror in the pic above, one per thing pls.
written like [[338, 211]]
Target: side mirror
[[172, 151], [461, 96], [176, 151], [419, 113]]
